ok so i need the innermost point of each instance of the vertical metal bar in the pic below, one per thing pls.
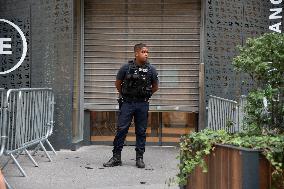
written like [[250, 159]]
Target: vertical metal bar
[[218, 104], [9, 122], [213, 110], [209, 113], [37, 114], [45, 114], [27, 117], [82, 65], [34, 111], [237, 127], [229, 115], [48, 114], [1, 116], [3, 121], [38, 126], [228, 111], [161, 128], [232, 115], [219, 116], [24, 120], [12, 117], [223, 115], [216, 114], [223, 120], [18, 120]]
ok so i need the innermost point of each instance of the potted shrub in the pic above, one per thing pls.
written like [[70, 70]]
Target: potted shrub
[[262, 59]]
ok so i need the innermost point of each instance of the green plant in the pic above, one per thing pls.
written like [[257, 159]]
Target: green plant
[[263, 119], [196, 146], [263, 59]]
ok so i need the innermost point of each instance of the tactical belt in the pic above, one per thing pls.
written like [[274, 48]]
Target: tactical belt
[[134, 99]]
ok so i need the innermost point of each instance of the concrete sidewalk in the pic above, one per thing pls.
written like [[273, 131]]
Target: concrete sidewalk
[[82, 169]]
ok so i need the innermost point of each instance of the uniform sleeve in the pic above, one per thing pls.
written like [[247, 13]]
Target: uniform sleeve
[[121, 72], [154, 77]]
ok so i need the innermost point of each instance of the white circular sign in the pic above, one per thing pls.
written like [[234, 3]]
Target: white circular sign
[[25, 47]]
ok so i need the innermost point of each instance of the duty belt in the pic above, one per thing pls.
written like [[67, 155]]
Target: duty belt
[[134, 99]]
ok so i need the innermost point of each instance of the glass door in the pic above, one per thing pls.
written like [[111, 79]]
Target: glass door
[[163, 127]]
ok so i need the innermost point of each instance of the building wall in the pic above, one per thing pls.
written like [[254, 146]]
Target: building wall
[[228, 24], [48, 27]]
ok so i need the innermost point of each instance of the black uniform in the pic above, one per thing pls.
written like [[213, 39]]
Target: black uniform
[[136, 91]]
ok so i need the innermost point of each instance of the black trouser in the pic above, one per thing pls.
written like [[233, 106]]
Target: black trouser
[[140, 112]]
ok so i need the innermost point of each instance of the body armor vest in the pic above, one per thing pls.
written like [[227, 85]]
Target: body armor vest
[[136, 84]]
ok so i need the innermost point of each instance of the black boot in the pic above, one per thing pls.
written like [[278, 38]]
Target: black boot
[[139, 160], [114, 161]]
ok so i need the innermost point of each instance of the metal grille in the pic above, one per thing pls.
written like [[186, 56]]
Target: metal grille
[[3, 134], [228, 24], [21, 76], [172, 31]]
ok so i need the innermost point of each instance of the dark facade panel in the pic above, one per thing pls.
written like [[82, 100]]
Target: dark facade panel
[[48, 25], [228, 24], [21, 76]]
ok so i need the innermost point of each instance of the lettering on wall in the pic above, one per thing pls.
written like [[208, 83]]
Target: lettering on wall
[[276, 15], [6, 47]]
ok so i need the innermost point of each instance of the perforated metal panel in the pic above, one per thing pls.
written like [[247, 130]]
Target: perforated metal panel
[[21, 76], [170, 28], [51, 55], [228, 24]]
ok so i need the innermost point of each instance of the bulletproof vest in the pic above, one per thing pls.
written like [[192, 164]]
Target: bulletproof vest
[[136, 83]]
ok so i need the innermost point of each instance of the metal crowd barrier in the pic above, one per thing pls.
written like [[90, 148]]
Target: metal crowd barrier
[[29, 122], [2, 121], [3, 129], [241, 111], [225, 114]]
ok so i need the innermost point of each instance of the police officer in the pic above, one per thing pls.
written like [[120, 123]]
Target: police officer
[[136, 81]]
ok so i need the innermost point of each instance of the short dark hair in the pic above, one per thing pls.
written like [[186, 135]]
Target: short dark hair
[[139, 46]]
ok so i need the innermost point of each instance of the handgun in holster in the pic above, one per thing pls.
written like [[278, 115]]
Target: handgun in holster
[[120, 101]]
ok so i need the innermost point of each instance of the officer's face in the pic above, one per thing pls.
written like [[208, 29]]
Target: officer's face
[[142, 55]]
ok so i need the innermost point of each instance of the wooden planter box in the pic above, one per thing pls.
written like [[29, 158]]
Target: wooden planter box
[[231, 167]]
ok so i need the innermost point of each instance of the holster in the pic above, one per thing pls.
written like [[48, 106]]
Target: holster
[[120, 101]]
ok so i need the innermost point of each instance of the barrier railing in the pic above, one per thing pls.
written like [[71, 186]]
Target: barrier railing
[[29, 122], [2, 121], [3, 128], [225, 114], [241, 111]]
